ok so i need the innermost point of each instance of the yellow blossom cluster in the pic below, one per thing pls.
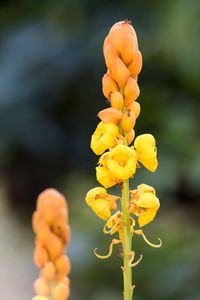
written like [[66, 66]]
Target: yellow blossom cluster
[[121, 153], [50, 225]]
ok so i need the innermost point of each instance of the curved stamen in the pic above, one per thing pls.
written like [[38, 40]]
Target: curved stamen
[[111, 230], [131, 264], [140, 232], [114, 242]]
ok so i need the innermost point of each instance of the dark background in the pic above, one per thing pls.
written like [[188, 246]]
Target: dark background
[[51, 65]]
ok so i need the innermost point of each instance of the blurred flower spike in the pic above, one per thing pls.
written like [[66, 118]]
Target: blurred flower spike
[[119, 159], [52, 235]]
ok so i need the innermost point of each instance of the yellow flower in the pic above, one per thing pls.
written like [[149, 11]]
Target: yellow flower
[[145, 147], [121, 162], [101, 202], [104, 137], [144, 204]]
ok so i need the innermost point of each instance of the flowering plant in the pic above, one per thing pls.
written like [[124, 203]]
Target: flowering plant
[[120, 159]]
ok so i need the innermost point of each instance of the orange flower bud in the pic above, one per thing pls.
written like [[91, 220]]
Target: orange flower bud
[[131, 91], [110, 115], [35, 221], [63, 265], [48, 202], [128, 120], [136, 65], [130, 136], [108, 85], [53, 196], [48, 271], [66, 235], [119, 72], [110, 54], [40, 256], [118, 31], [60, 221], [128, 48], [41, 287], [61, 292], [65, 280], [43, 232], [54, 247], [117, 100], [135, 108]]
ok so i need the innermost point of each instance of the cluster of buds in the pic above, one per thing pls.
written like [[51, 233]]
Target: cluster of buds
[[50, 225], [113, 137]]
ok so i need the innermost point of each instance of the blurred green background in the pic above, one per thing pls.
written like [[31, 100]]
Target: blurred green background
[[51, 65]]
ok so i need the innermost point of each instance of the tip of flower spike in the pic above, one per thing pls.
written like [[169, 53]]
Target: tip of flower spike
[[114, 242], [127, 21]]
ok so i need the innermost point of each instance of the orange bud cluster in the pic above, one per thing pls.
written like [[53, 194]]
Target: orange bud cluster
[[124, 62], [50, 225]]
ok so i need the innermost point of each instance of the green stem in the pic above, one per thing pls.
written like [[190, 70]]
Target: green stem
[[127, 241]]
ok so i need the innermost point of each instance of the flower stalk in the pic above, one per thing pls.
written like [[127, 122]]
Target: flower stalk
[[127, 242]]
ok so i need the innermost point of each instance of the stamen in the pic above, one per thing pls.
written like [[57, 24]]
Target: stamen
[[111, 230], [135, 263], [140, 232], [114, 242]]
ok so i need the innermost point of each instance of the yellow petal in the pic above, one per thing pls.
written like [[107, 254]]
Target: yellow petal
[[146, 188], [103, 159], [151, 164], [101, 208], [147, 217], [91, 194], [142, 139], [104, 177], [121, 162], [122, 153], [115, 169], [148, 200]]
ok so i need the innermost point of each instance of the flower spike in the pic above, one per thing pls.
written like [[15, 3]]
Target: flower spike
[[121, 153], [114, 242]]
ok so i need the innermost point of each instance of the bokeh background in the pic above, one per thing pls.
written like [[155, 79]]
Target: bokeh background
[[51, 65]]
